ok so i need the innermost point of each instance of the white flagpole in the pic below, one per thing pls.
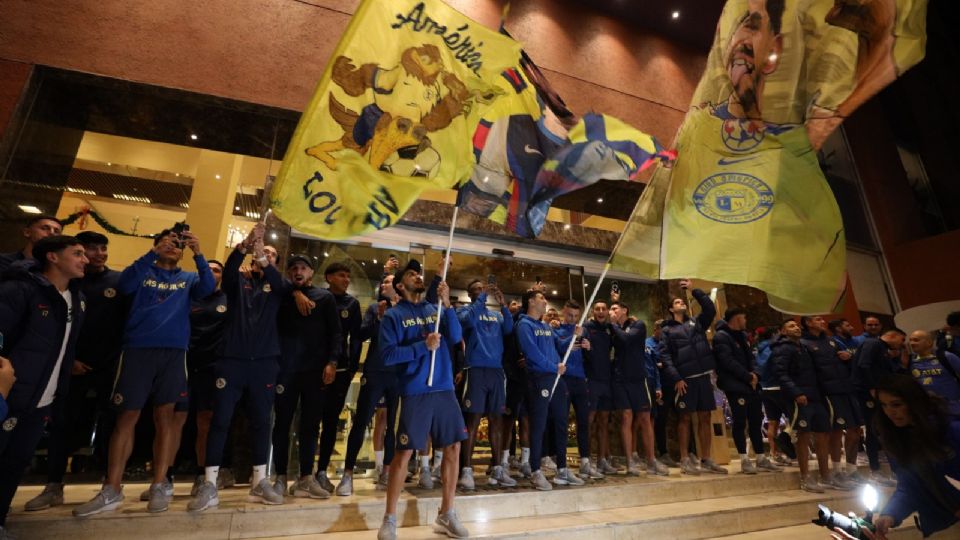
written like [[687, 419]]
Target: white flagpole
[[446, 264], [583, 317]]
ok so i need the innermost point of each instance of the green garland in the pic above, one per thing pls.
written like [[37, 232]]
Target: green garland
[[107, 226]]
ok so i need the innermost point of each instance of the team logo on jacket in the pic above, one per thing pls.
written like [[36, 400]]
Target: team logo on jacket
[[117, 398], [841, 421], [466, 403], [83, 305], [280, 389], [266, 287], [222, 308], [506, 410], [733, 198], [803, 423], [404, 440], [10, 423], [363, 381], [916, 373], [545, 393], [742, 401], [682, 405], [344, 314], [870, 404], [221, 382], [109, 292]]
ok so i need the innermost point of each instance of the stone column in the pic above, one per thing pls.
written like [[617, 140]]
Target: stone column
[[212, 199]]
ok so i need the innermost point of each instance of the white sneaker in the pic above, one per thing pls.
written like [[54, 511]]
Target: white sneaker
[[656, 468], [325, 482], [345, 487], [525, 470], [388, 529], [747, 466]]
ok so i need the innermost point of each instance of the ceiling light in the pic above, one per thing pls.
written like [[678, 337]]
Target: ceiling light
[[29, 209], [675, 15], [193, 136], [554, 292], [374, 261], [81, 191], [325, 254], [566, 227], [273, 235], [217, 176], [599, 199], [109, 164], [236, 208]]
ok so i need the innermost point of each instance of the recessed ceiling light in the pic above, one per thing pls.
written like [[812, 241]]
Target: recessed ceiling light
[[217, 176], [193, 136], [325, 254], [566, 227], [554, 292], [236, 208], [374, 261], [29, 209], [675, 15], [109, 164], [599, 199]]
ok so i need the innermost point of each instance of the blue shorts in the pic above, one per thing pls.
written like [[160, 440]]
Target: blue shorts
[[810, 417], [699, 396], [773, 406], [844, 411], [631, 395], [484, 391], [142, 373], [202, 388], [601, 395], [435, 416]]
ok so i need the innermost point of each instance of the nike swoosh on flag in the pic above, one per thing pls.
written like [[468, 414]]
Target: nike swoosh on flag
[[722, 161]]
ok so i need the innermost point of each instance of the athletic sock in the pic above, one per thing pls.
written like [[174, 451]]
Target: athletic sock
[[378, 458], [259, 473], [437, 457], [505, 457], [525, 455], [744, 457], [425, 462], [211, 474]]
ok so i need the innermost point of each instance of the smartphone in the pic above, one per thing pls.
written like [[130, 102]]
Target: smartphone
[[538, 280], [491, 279], [615, 287], [178, 228]]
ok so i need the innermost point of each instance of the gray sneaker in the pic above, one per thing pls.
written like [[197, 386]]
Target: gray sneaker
[[878, 477], [52, 495], [5, 534], [145, 494], [810, 484], [382, 481], [466, 482], [566, 478], [160, 497], [688, 466], [606, 467], [345, 487], [838, 483], [388, 529], [197, 482], [106, 500], [525, 470], [436, 473], [280, 484], [767, 464], [497, 476], [426, 479], [546, 462], [588, 471], [656, 468], [225, 478], [308, 486], [539, 481], [855, 477], [325, 482], [634, 469], [263, 493], [668, 460], [206, 497], [711, 466], [747, 466], [449, 524]]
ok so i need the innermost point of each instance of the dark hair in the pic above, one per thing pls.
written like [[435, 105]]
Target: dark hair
[[894, 330], [775, 9], [335, 267], [472, 282], [572, 304], [604, 302], [804, 320], [216, 262], [733, 312], [923, 443], [51, 244], [766, 333], [161, 235], [525, 299], [953, 318], [658, 323], [621, 304], [835, 325], [43, 217], [89, 237], [784, 322]]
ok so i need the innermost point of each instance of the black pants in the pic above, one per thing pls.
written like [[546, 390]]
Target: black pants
[[868, 406], [19, 435], [255, 380], [303, 388], [548, 417], [374, 387], [334, 396], [580, 400], [661, 415], [747, 412], [75, 418]]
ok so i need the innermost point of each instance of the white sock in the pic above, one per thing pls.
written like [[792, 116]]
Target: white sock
[[761, 457], [378, 458], [524, 455], [837, 466], [210, 474], [424, 462], [584, 462], [505, 457], [259, 473], [437, 457], [744, 457]]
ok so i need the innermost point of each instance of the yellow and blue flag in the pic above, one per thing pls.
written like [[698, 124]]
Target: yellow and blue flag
[[392, 115]]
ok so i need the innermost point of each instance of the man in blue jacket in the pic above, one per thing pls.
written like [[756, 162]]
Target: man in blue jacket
[[597, 364], [548, 411], [153, 362], [875, 359], [41, 312], [428, 404], [484, 385], [248, 366], [688, 362]]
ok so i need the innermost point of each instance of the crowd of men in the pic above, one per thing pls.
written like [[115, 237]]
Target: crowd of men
[[178, 341]]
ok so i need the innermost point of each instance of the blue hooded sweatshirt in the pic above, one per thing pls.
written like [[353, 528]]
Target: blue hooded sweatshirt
[[483, 330], [575, 360], [403, 333], [538, 345]]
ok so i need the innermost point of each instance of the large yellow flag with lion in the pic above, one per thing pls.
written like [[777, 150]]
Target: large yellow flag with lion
[[393, 114], [746, 201]]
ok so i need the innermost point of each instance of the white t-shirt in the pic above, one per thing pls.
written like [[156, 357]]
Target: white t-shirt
[[51, 390]]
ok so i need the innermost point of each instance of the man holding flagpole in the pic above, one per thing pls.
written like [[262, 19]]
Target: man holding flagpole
[[428, 409]]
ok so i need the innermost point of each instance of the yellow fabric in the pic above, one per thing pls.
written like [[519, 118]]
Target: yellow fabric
[[746, 201], [416, 77]]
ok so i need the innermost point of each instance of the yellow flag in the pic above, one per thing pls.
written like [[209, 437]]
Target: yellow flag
[[746, 201], [393, 114]]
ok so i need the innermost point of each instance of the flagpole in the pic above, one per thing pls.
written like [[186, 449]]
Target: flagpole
[[583, 317], [446, 265]]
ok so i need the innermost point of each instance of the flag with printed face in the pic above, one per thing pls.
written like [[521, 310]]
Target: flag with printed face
[[746, 201], [393, 114]]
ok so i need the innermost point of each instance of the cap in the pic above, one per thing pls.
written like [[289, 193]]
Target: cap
[[299, 258], [412, 264]]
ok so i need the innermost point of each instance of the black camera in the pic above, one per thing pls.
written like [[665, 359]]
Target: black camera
[[851, 525], [178, 229]]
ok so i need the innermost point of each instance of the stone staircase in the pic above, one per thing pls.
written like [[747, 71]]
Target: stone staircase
[[618, 507]]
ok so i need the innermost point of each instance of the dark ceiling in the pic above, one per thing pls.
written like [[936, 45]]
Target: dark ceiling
[[694, 27]]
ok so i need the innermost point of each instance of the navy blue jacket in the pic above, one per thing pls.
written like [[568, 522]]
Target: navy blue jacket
[[629, 351], [101, 337], [833, 374], [598, 360], [511, 353], [308, 343], [347, 356], [8, 259], [403, 334], [872, 363], [795, 369], [484, 330], [684, 349], [33, 319], [575, 360], [735, 360], [208, 316], [652, 347], [370, 329], [251, 329]]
